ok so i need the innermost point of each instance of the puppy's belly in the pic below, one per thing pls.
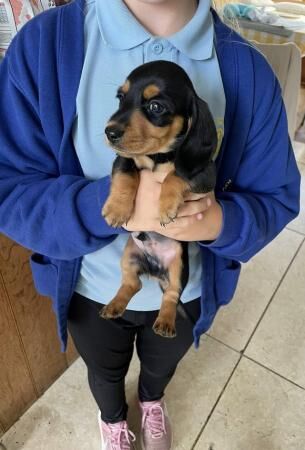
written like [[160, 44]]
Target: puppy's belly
[[159, 248]]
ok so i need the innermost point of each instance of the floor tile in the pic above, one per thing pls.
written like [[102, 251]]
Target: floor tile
[[64, 418], [299, 151], [298, 224], [61, 419], [278, 342], [258, 411], [259, 278]]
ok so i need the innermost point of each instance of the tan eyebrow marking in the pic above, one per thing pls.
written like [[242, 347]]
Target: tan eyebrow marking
[[150, 91], [126, 86]]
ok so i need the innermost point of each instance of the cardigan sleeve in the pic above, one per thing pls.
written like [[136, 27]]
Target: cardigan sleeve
[[56, 215], [265, 194]]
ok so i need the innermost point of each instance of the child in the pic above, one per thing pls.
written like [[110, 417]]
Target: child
[[58, 85]]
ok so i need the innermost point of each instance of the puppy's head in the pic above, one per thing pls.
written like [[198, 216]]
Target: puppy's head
[[158, 109]]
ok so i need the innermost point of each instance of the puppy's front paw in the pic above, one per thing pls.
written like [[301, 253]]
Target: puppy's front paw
[[117, 213], [168, 208]]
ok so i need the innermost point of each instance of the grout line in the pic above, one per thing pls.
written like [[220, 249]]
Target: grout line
[[274, 293], [215, 404], [263, 313], [226, 384], [223, 343], [296, 231], [275, 373]]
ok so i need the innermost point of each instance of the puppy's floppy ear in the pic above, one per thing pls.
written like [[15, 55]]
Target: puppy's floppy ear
[[193, 160]]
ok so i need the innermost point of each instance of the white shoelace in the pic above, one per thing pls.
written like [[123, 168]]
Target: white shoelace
[[120, 437], [153, 416]]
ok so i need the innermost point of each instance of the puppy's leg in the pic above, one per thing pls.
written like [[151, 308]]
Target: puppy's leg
[[165, 324], [131, 282], [119, 205], [173, 190]]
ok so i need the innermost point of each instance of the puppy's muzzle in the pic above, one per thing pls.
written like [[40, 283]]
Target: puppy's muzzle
[[114, 134]]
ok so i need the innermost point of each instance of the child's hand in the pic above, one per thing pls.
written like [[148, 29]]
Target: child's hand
[[146, 205], [194, 225], [146, 212]]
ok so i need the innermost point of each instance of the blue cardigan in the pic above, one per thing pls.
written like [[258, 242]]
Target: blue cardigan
[[48, 206]]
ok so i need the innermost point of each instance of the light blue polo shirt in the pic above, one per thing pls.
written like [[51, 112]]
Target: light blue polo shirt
[[115, 44]]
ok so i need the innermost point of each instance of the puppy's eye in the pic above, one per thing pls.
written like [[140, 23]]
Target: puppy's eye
[[120, 96], [156, 107]]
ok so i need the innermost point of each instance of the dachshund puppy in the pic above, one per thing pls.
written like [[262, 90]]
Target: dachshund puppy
[[160, 121]]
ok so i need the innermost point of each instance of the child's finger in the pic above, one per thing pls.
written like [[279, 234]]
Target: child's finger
[[191, 196], [194, 207], [176, 225]]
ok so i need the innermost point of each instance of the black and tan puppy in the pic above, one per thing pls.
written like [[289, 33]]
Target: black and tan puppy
[[160, 121]]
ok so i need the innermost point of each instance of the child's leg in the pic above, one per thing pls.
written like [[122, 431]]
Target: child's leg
[[159, 356], [106, 346]]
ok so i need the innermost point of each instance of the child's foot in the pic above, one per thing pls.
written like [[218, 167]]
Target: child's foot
[[156, 432], [116, 436]]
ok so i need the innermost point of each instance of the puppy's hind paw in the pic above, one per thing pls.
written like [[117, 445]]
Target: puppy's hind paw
[[165, 328], [112, 311]]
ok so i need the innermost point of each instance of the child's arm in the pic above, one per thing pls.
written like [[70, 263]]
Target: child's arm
[[265, 194], [56, 215]]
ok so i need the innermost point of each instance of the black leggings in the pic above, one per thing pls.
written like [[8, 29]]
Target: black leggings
[[106, 346]]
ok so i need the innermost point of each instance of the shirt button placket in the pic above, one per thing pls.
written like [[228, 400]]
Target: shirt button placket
[[158, 48]]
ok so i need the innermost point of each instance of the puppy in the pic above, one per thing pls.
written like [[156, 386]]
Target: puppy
[[160, 120]]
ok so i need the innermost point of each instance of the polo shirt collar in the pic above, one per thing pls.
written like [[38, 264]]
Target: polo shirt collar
[[121, 30]]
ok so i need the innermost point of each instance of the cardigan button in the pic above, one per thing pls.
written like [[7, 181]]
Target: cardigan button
[[227, 185]]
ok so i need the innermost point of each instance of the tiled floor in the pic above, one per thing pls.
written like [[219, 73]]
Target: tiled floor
[[244, 389]]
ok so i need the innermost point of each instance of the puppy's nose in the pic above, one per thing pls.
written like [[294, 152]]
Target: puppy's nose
[[114, 133]]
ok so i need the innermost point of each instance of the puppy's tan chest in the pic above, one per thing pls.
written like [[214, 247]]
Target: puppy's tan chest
[[145, 162]]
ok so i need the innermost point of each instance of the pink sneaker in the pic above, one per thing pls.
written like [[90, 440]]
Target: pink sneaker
[[156, 433], [116, 436]]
